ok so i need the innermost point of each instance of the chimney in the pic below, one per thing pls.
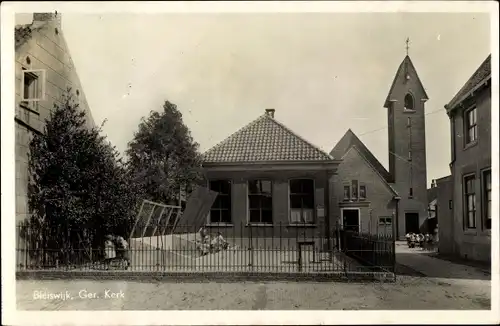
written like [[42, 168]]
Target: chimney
[[270, 112], [44, 17]]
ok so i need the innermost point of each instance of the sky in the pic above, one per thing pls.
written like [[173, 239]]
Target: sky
[[323, 73]]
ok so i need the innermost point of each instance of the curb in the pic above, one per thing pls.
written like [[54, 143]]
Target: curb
[[202, 277]]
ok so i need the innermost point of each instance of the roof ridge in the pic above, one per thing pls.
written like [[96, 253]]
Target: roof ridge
[[298, 136], [398, 71], [228, 138], [351, 140], [385, 174], [464, 89]]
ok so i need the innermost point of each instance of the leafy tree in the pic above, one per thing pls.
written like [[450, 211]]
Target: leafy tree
[[79, 188], [163, 156]]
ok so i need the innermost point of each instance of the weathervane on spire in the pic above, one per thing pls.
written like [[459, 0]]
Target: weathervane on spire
[[407, 45]]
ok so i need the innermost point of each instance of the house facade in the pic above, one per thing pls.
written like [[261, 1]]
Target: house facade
[[367, 201], [470, 129], [271, 184], [44, 70]]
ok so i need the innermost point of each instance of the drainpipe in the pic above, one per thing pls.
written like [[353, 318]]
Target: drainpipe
[[395, 231], [452, 131], [395, 228], [326, 210]]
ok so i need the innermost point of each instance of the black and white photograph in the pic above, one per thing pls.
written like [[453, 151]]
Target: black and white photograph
[[296, 158]]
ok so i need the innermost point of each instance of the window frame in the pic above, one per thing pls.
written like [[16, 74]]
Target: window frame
[[362, 185], [290, 193], [385, 218], [230, 209], [260, 209], [405, 109], [355, 186], [39, 76], [484, 198], [348, 186], [468, 126], [465, 196]]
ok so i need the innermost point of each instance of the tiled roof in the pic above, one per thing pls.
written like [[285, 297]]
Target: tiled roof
[[264, 140], [350, 139], [432, 194], [405, 64], [481, 74]]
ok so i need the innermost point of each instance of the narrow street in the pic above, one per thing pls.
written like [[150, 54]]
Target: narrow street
[[408, 292]]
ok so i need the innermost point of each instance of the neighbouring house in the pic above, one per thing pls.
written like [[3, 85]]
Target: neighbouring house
[[468, 232], [43, 72], [444, 212], [368, 202], [270, 183], [432, 217]]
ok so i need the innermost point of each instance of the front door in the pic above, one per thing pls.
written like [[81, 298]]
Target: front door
[[350, 219], [412, 223]]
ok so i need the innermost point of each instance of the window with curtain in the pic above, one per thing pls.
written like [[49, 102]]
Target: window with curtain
[[301, 201]]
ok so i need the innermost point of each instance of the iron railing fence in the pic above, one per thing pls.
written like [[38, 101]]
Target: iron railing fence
[[375, 251], [235, 247]]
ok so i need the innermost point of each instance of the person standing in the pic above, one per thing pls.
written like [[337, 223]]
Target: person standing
[[122, 250], [109, 251]]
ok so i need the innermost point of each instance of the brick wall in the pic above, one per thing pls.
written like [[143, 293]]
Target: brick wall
[[280, 193], [379, 199]]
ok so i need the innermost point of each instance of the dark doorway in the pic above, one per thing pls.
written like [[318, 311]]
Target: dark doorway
[[412, 223], [350, 219]]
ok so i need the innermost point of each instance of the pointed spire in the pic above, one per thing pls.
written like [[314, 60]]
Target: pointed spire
[[407, 45]]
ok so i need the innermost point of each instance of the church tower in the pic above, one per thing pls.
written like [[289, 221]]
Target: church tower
[[405, 105]]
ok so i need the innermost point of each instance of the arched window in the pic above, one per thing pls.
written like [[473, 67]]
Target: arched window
[[409, 103]]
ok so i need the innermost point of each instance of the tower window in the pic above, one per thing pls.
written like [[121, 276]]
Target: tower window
[[409, 103], [410, 194]]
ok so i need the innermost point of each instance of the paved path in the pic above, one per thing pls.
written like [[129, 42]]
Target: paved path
[[435, 267], [472, 281]]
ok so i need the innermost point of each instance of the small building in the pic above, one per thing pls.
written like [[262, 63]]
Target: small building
[[368, 202], [469, 233], [271, 183]]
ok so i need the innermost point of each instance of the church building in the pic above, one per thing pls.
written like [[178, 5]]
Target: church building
[[266, 176], [381, 199]]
